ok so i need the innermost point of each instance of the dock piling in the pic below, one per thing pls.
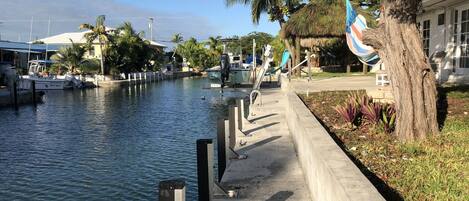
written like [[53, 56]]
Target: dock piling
[[221, 148], [232, 126], [172, 190], [33, 87], [240, 105], [205, 169], [15, 95]]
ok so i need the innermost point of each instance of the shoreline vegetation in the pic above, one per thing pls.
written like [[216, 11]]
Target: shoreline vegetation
[[432, 169]]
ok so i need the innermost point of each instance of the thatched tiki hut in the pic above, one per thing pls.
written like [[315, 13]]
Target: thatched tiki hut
[[316, 24]]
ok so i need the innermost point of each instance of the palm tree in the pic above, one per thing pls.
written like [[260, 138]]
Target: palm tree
[[70, 57], [177, 38], [214, 44], [99, 32], [277, 9]]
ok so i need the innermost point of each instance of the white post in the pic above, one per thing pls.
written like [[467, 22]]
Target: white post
[[135, 77], [240, 105], [130, 79], [145, 76]]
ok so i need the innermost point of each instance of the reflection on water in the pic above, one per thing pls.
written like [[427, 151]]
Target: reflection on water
[[107, 144]]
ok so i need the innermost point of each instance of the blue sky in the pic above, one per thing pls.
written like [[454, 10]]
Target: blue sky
[[192, 18], [233, 20]]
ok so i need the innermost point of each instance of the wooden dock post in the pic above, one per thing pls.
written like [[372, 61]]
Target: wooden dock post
[[15, 95], [221, 148], [33, 87], [172, 190], [232, 126], [205, 169], [240, 105]]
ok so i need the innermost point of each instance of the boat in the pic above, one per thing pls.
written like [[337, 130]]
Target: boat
[[37, 72], [240, 73]]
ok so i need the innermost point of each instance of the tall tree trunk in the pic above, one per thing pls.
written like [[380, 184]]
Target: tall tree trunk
[[102, 58], [399, 45], [297, 56]]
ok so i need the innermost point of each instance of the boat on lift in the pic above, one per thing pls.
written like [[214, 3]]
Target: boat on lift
[[240, 73]]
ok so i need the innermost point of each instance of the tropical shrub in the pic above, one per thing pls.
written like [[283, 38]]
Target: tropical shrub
[[349, 112], [371, 112], [127, 52], [70, 57], [359, 107]]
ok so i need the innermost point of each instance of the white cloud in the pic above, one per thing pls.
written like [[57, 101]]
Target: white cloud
[[67, 15]]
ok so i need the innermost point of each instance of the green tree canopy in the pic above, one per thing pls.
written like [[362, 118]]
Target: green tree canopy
[[99, 32], [70, 57], [128, 52]]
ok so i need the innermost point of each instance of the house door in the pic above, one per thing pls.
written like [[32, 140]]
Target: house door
[[463, 41]]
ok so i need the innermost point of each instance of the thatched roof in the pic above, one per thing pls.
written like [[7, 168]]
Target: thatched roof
[[319, 19], [318, 42]]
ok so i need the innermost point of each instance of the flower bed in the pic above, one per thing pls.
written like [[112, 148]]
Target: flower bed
[[434, 169]]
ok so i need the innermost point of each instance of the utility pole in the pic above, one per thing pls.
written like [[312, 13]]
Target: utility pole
[[30, 38], [48, 33], [150, 26]]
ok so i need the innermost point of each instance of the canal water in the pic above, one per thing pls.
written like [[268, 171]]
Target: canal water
[[108, 144]]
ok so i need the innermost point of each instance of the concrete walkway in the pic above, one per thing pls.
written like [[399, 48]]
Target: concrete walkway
[[272, 171]]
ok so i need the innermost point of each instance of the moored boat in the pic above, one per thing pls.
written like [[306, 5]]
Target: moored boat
[[37, 72]]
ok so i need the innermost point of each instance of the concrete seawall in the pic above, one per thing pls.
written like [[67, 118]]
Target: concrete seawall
[[329, 173]]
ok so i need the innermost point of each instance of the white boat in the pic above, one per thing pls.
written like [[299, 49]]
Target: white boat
[[240, 73], [43, 80]]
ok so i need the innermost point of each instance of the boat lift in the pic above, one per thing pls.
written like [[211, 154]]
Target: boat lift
[[268, 54]]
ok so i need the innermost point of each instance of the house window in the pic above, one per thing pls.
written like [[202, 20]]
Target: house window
[[91, 52], [455, 36], [464, 60], [426, 37], [441, 19]]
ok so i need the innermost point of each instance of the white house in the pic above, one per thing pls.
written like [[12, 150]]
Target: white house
[[66, 39], [445, 29]]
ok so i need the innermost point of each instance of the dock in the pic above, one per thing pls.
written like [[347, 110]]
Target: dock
[[271, 170]]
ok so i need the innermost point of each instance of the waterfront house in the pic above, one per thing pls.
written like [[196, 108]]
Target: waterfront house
[[16, 53], [444, 25], [65, 39]]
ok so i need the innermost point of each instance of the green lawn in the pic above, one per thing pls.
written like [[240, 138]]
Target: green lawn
[[434, 169]]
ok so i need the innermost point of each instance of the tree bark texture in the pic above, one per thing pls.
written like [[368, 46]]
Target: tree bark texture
[[297, 56], [413, 83]]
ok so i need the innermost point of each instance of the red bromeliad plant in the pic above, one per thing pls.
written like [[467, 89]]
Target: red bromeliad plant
[[372, 112], [349, 112]]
